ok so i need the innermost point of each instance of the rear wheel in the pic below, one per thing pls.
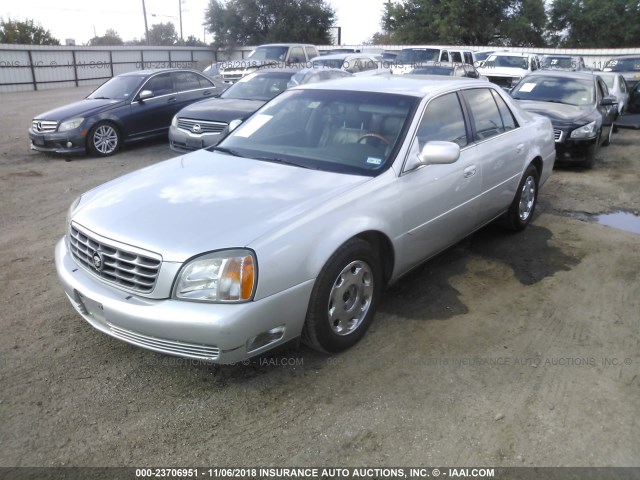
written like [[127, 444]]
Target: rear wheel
[[344, 298], [521, 210]]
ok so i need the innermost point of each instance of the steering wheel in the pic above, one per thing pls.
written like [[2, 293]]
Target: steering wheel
[[374, 135]]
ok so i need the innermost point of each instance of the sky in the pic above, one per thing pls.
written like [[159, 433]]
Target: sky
[[359, 19]]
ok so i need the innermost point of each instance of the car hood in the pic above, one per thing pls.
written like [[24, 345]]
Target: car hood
[[86, 107], [205, 201], [221, 109], [559, 113]]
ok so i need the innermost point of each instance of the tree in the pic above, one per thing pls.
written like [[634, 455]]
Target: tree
[[193, 41], [163, 34], [253, 22], [467, 22], [595, 23], [25, 33], [110, 37]]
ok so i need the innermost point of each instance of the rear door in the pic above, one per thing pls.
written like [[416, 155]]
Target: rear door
[[501, 151], [190, 87]]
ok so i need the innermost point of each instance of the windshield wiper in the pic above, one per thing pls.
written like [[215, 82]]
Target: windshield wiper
[[228, 151], [100, 98], [282, 161]]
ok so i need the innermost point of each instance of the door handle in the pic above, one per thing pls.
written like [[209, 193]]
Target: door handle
[[206, 92], [172, 100], [469, 171]]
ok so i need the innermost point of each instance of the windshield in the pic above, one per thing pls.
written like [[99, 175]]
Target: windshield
[[333, 130], [258, 86], [623, 65], [269, 53], [559, 62], [506, 61], [330, 63], [118, 88], [413, 55], [434, 70], [572, 91]]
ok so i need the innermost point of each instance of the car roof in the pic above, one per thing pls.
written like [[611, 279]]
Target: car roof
[[286, 45], [343, 56], [412, 85], [623, 56], [144, 73]]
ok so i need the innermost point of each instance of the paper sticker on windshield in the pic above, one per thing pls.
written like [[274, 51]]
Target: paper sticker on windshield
[[374, 161], [314, 104], [527, 87], [252, 126]]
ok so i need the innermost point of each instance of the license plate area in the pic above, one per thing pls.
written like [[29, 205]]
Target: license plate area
[[89, 307], [195, 143], [38, 141]]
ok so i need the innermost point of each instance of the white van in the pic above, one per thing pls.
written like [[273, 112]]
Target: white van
[[414, 57]]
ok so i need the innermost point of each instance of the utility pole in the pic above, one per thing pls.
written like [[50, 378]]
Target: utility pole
[[146, 26], [180, 6]]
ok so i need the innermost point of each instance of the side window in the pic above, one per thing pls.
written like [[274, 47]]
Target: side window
[[534, 63], [468, 58], [456, 57], [444, 57], [486, 116], [311, 52], [507, 117], [443, 120], [623, 84], [603, 90], [296, 55], [184, 81], [159, 85]]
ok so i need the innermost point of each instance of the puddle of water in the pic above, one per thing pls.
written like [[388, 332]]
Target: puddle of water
[[626, 221]]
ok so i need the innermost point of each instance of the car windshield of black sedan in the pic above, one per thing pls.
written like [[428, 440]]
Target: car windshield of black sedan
[[118, 88], [433, 70], [572, 91], [258, 86], [334, 130], [623, 65]]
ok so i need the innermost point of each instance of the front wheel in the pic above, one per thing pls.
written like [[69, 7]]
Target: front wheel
[[103, 139], [521, 210], [344, 298]]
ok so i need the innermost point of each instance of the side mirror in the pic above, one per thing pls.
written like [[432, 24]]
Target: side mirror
[[145, 94], [439, 153], [609, 100]]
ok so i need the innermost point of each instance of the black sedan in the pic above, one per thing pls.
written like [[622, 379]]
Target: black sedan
[[447, 68], [206, 123], [132, 106], [579, 106]]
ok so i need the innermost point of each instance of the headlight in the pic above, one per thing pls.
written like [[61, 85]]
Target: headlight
[[70, 124], [72, 209], [174, 121], [225, 276], [586, 131]]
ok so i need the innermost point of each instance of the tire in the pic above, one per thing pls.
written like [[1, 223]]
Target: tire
[[607, 142], [521, 210], [590, 159], [344, 298], [104, 139]]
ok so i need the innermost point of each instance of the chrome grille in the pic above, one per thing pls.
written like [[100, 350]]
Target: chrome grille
[[44, 126], [124, 268], [182, 349], [557, 135], [200, 126]]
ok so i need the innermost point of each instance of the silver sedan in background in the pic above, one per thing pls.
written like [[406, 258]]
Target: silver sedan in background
[[292, 225]]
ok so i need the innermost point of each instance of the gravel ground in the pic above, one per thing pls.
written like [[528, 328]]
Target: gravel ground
[[506, 350]]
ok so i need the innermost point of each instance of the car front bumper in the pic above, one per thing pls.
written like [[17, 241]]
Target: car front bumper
[[182, 141], [216, 333], [66, 142], [570, 149]]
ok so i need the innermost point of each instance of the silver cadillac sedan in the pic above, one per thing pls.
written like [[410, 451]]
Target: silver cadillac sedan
[[290, 228]]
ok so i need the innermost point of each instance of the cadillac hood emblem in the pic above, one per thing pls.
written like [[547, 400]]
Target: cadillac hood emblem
[[97, 261]]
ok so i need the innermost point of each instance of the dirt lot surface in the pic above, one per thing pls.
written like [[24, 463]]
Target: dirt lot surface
[[506, 350]]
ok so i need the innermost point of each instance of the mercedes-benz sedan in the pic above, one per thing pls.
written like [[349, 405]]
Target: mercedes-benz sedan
[[133, 106], [292, 225]]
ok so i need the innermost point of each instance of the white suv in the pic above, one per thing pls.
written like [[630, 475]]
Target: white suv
[[507, 68]]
